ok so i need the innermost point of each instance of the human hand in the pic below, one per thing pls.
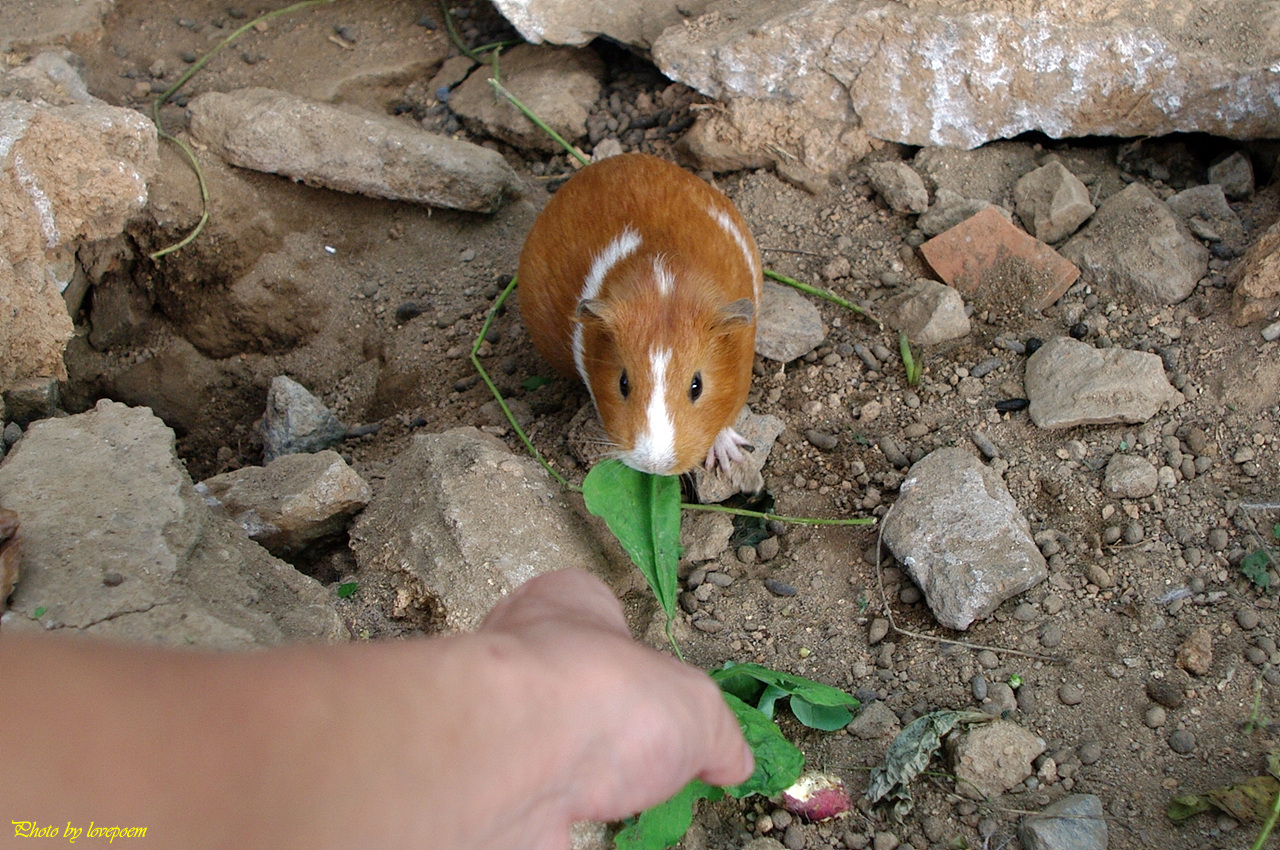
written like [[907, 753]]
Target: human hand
[[616, 727]]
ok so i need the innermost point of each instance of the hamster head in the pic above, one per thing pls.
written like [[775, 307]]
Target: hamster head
[[668, 367]]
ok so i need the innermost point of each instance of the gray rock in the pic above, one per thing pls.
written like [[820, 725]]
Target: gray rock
[[30, 400], [1205, 211], [929, 312], [460, 522], [705, 535], [1052, 202], [1075, 822], [291, 502], [558, 84], [364, 153], [1136, 245], [990, 759], [962, 76], [1235, 175], [1129, 477], [875, 721], [900, 186], [119, 544], [961, 538], [576, 22], [761, 432], [788, 325], [949, 209], [1071, 383], [296, 421]]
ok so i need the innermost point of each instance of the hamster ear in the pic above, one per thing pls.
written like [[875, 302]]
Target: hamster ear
[[739, 312], [590, 309]]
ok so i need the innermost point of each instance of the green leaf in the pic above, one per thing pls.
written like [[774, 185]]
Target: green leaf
[[771, 694], [665, 824], [734, 676], [38, 613], [778, 761], [825, 718], [532, 382], [643, 512], [347, 589], [1255, 566]]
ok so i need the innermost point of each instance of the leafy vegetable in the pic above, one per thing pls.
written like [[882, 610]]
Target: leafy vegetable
[[666, 823], [778, 766], [643, 512], [38, 613], [814, 704], [347, 589]]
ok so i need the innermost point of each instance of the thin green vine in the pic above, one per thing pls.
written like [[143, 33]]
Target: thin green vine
[[191, 157]]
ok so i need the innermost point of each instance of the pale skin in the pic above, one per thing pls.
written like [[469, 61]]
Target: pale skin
[[548, 714]]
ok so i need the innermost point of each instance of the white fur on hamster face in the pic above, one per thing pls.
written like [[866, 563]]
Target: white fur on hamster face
[[653, 446]]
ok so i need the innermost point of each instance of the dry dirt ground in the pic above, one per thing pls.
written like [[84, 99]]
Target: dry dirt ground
[[371, 304]]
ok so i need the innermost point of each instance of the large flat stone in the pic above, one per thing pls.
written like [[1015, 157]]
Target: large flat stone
[[116, 542], [364, 153]]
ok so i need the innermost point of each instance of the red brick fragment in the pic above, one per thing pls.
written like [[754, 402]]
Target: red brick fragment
[[991, 261]]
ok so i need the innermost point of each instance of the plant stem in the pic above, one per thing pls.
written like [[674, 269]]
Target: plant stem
[[488, 382], [797, 520], [191, 157], [542, 125], [822, 293]]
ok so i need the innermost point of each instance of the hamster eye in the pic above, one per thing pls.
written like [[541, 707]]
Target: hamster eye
[[624, 386], [695, 388]]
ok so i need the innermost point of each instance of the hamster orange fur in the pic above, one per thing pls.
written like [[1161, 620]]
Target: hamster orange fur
[[644, 282]]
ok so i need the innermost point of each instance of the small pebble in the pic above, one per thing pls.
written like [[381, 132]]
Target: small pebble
[[1132, 533], [779, 588], [111, 578], [793, 838], [1247, 618], [1255, 655], [708, 625], [768, 549], [1165, 693], [1070, 694], [1012, 405], [820, 439], [719, 579], [1032, 345], [1051, 636], [1025, 612], [984, 445], [1271, 332], [1154, 717], [1182, 742], [1079, 330], [1090, 752], [746, 554], [1218, 539], [978, 684], [878, 630]]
